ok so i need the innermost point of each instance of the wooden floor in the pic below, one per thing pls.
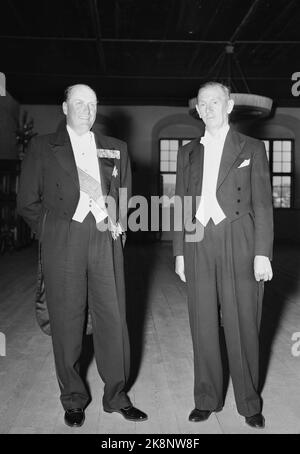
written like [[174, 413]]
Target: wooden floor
[[162, 369]]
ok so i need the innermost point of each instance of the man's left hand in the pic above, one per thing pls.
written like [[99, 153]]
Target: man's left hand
[[262, 268]]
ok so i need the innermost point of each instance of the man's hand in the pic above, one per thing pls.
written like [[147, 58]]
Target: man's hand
[[262, 268], [179, 267]]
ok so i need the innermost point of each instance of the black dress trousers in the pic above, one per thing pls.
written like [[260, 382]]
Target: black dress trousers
[[83, 265], [219, 272]]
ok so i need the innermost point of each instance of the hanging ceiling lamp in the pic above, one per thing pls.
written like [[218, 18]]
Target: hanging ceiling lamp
[[246, 105]]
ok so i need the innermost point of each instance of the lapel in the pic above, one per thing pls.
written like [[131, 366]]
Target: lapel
[[63, 152], [196, 156], [232, 147]]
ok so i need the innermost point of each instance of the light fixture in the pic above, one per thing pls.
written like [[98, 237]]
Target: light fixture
[[246, 105]]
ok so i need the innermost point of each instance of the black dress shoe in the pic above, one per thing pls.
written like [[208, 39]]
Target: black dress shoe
[[74, 417], [131, 413], [257, 421], [199, 415]]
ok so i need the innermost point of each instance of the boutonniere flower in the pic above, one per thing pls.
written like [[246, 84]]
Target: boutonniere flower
[[106, 153], [115, 172]]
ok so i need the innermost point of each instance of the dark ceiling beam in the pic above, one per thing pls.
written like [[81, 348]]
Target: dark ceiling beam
[[17, 15], [278, 20], [168, 25], [81, 18], [287, 24], [118, 14], [213, 17], [181, 14], [275, 41], [47, 38], [147, 41], [233, 37], [134, 76], [245, 20], [97, 31], [170, 20], [197, 51]]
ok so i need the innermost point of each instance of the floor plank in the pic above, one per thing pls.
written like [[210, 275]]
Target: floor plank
[[162, 358]]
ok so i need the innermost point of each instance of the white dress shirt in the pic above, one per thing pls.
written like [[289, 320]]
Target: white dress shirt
[[209, 206], [85, 154]]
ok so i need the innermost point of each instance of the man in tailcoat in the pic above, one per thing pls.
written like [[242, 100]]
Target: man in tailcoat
[[226, 263], [66, 179]]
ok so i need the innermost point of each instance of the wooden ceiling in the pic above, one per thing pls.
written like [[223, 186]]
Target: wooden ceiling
[[148, 51]]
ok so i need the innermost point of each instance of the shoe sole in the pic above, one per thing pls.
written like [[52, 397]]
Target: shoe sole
[[75, 425], [127, 419], [255, 427], [203, 420], [199, 420]]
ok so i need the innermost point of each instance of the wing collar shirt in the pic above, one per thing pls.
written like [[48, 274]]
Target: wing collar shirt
[[209, 206], [85, 154]]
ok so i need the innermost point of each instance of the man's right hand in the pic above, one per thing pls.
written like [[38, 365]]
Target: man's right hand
[[179, 267]]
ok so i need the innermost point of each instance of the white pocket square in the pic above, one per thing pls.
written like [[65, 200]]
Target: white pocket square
[[245, 163]]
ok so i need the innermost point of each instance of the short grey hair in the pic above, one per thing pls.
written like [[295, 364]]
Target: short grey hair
[[226, 90]]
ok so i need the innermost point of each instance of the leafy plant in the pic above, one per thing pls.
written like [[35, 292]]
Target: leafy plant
[[25, 133]]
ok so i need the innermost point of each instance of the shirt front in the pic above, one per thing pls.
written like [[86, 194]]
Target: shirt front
[[213, 148], [85, 154]]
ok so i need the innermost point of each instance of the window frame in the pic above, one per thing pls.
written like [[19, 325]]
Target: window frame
[[169, 172], [290, 174]]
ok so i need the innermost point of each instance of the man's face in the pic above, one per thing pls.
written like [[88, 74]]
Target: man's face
[[81, 108], [213, 107]]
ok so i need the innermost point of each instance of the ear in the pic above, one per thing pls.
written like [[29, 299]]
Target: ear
[[230, 106], [198, 111], [65, 108]]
